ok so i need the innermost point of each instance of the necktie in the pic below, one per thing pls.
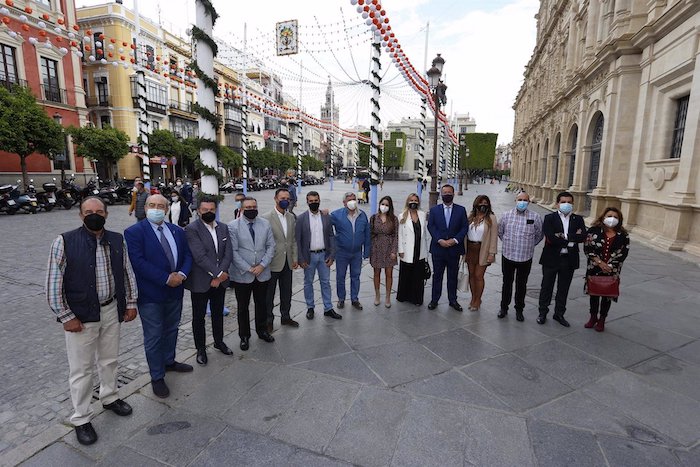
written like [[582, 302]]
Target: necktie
[[252, 231], [448, 214], [166, 248]]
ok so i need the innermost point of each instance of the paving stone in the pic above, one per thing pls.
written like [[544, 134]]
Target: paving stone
[[314, 417], [402, 362], [644, 334], [459, 347], [348, 366], [58, 454], [689, 353], [671, 414], [496, 439], [609, 347], [689, 458], [122, 456], [555, 446], [515, 382], [625, 452], [293, 344], [671, 373], [506, 336], [566, 363], [368, 331], [419, 323], [175, 438], [368, 433]]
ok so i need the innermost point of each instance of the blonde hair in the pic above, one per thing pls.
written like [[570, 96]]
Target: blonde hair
[[404, 214]]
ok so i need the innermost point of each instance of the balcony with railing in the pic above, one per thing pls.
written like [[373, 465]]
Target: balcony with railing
[[50, 93], [183, 109], [98, 101]]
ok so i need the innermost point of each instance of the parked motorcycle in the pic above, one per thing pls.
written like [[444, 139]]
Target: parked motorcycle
[[25, 201], [123, 193], [71, 188], [7, 204], [46, 198], [106, 192]]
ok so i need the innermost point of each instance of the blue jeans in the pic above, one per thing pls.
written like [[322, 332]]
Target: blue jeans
[[317, 262], [341, 268], [160, 322]]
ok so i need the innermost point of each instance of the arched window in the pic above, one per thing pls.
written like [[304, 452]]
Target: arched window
[[572, 157]]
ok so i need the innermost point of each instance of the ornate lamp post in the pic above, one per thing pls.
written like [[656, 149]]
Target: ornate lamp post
[[439, 98]]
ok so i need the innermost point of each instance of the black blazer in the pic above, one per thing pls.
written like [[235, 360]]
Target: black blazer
[[554, 240], [207, 263]]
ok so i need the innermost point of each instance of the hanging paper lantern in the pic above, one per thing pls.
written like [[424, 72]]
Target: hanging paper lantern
[[110, 46], [99, 52], [113, 40], [28, 10], [12, 34], [57, 30], [87, 48], [59, 39], [122, 57], [6, 20], [103, 61], [25, 28], [61, 21], [42, 33], [4, 11], [23, 18], [47, 45], [98, 44], [76, 27], [133, 46], [41, 24], [133, 60], [110, 54], [101, 36], [63, 50]]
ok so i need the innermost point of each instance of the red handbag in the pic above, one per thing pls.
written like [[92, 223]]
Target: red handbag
[[603, 286]]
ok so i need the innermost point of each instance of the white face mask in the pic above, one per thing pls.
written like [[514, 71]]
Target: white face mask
[[175, 199], [611, 221], [352, 205], [384, 209]]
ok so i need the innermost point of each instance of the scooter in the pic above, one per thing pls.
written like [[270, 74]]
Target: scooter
[[71, 188], [106, 192], [63, 197], [7, 204], [46, 199], [25, 201]]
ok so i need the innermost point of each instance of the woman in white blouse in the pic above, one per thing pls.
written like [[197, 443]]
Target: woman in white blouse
[[179, 213], [413, 251], [481, 247]]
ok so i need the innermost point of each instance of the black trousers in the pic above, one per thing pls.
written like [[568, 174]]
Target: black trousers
[[259, 291], [562, 273], [284, 278], [518, 271], [215, 297]]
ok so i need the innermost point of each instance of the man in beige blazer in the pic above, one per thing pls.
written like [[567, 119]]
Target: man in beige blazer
[[283, 226]]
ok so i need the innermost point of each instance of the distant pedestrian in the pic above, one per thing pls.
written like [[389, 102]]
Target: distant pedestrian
[[92, 288], [186, 190], [179, 212], [607, 247], [481, 246], [367, 187], [384, 234], [413, 251], [292, 188], [238, 200], [138, 202]]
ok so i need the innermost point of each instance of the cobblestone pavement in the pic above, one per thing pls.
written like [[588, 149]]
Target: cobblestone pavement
[[399, 386]]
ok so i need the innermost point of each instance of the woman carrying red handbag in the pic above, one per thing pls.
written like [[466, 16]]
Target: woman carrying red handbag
[[606, 247]]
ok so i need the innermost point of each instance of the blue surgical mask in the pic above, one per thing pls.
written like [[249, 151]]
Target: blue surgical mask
[[566, 208], [237, 204], [155, 215], [522, 205], [284, 204]]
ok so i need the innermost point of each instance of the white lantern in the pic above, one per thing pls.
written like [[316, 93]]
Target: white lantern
[[23, 18], [12, 33], [352, 2], [103, 61], [57, 30], [115, 64], [98, 44], [63, 50], [87, 39], [4, 11], [47, 44], [91, 58], [71, 35], [41, 24], [365, 15], [110, 46]]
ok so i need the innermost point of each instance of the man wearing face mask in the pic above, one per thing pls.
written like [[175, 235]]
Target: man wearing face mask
[[91, 288], [211, 251], [352, 243], [563, 231], [253, 247], [162, 261], [238, 200], [519, 229], [283, 225]]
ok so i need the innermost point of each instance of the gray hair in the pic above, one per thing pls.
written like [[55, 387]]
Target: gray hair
[[522, 192], [348, 194]]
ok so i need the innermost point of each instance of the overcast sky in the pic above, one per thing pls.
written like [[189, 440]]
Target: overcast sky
[[485, 43]]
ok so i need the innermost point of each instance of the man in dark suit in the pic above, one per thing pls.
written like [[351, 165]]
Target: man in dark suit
[[447, 224], [161, 260], [563, 231], [211, 254], [316, 252]]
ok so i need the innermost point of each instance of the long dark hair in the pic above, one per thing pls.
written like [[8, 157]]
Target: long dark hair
[[599, 220], [389, 215], [475, 205]]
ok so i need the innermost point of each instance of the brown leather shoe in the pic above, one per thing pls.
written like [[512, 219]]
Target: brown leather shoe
[[289, 322]]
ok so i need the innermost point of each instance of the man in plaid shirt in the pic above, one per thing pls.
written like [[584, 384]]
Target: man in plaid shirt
[[519, 230], [91, 288]]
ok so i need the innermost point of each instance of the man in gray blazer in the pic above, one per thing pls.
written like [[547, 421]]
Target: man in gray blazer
[[284, 260], [211, 254], [316, 249], [253, 248]]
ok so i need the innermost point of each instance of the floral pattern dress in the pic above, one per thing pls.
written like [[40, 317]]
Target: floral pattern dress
[[385, 242], [613, 250]]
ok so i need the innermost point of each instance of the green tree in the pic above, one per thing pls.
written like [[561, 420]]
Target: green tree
[[364, 152], [25, 128], [229, 158], [311, 164], [106, 145], [482, 152], [164, 143]]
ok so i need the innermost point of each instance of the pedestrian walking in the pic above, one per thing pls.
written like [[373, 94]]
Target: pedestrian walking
[[563, 231], [179, 212], [238, 201], [161, 260], [91, 288], [413, 252], [284, 260], [520, 230], [447, 224], [481, 246], [316, 251], [384, 234], [292, 188], [210, 246], [352, 243], [606, 247], [138, 202], [253, 246]]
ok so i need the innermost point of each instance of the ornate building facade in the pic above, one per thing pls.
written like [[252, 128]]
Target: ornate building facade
[[610, 110]]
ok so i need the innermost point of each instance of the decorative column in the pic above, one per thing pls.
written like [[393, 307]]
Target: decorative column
[[376, 122], [443, 162], [422, 172], [143, 124], [300, 137], [244, 138]]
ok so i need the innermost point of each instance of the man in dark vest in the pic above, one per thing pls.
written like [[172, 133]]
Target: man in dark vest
[[91, 287]]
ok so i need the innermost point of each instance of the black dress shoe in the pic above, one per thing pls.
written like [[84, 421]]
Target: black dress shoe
[[223, 348], [119, 407], [456, 306], [179, 367], [266, 337], [160, 389], [202, 356], [519, 315], [560, 319], [432, 305], [357, 305], [332, 314], [341, 304], [245, 343], [502, 314], [310, 313], [86, 434], [289, 322], [541, 319]]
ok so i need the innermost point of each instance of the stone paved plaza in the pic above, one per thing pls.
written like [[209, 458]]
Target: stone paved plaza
[[399, 386]]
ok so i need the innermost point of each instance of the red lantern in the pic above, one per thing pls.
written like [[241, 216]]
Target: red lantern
[[42, 33], [99, 51], [28, 10], [360, 2], [113, 40], [59, 39], [371, 14], [6, 20], [76, 27], [133, 60], [89, 32], [87, 48], [158, 58], [73, 44], [61, 21], [110, 54], [125, 43], [386, 20], [101, 36], [9, 3], [133, 46], [165, 74], [45, 16]]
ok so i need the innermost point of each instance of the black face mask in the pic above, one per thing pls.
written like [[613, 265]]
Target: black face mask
[[484, 208], [314, 206], [412, 205], [250, 214], [94, 222], [447, 199], [208, 217]]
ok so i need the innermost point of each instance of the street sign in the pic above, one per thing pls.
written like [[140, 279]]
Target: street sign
[[163, 161], [174, 160]]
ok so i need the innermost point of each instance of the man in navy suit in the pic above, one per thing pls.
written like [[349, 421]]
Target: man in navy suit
[[447, 224], [161, 261]]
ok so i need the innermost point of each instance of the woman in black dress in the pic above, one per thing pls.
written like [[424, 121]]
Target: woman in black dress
[[413, 251]]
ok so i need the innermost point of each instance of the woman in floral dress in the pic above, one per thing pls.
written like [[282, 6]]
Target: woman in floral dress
[[384, 232]]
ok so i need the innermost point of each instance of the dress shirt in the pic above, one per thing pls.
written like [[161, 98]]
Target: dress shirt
[[283, 221], [475, 232], [518, 237], [103, 275], [447, 210], [565, 223], [316, 227], [212, 232], [168, 236]]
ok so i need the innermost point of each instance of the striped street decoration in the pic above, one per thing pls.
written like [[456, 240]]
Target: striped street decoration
[[300, 136], [143, 127], [244, 141], [443, 162], [376, 121]]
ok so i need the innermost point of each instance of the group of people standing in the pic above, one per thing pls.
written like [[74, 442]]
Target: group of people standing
[[98, 279]]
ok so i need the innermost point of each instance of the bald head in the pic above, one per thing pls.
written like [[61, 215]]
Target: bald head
[[157, 201]]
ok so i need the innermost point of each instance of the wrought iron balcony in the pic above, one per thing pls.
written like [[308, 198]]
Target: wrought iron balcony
[[98, 101], [51, 93]]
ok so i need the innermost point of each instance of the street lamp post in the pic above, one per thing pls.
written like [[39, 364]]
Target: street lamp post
[[439, 98]]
